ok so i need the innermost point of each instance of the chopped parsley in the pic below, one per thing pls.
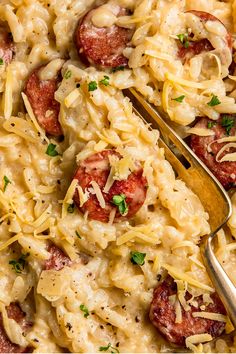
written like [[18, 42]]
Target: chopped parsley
[[6, 182], [214, 101], [183, 38], [107, 347], [137, 258], [92, 86], [71, 208], [1, 61], [68, 74], [105, 81], [77, 234], [228, 123], [210, 125], [119, 201], [85, 310], [179, 99], [51, 150], [18, 265], [118, 68]]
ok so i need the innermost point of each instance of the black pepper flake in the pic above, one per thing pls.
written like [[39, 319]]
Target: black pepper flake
[[68, 326], [137, 319]]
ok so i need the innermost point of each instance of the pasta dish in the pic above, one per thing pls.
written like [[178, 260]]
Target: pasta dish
[[99, 240]]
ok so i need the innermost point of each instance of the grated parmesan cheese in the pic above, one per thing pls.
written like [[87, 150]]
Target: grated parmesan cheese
[[99, 195], [196, 339], [211, 316], [83, 197], [175, 273]]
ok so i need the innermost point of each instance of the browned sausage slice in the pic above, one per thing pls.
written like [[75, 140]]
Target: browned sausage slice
[[224, 171], [162, 315], [58, 259], [196, 47], [97, 168], [102, 46], [6, 46], [6, 346], [40, 94]]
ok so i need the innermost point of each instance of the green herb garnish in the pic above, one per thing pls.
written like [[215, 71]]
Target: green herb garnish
[[183, 38], [6, 182], [137, 257], [77, 234], [19, 264], [68, 74], [105, 81], [71, 208], [214, 101], [1, 61], [119, 201], [51, 150], [228, 123], [179, 99], [118, 68], [85, 310], [107, 347], [92, 86], [210, 125]]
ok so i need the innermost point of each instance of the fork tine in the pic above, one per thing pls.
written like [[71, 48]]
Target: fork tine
[[202, 182]]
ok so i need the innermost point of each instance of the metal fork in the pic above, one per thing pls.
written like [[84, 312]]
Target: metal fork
[[201, 181]]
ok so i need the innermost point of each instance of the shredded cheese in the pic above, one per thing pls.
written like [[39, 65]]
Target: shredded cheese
[[72, 97], [231, 143], [196, 339], [178, 312], [175, 273], [99, 195], [32, 117], [201, 131], [69, 197], [83, 197], [110, 181], [8, 95], [10, 241], [211, 316], [175, 79]]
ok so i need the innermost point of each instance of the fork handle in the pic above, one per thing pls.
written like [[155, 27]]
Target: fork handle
[[223, 285]]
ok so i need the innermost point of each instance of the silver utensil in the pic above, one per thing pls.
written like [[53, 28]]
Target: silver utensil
[[197, 176]]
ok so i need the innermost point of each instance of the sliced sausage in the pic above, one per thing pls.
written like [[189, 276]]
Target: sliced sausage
[[102, 46], [58, 259], [225, 171], [46, 109], [97, 168], [162, 315], [196, 47], [6, 46], [6, 346], [205, 16]]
